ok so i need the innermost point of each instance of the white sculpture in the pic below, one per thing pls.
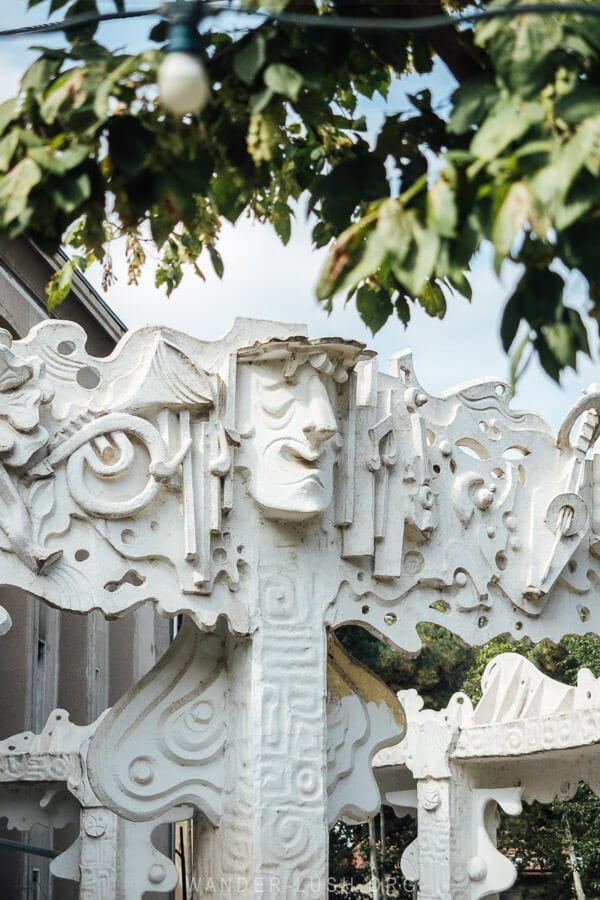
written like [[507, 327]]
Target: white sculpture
[[529, 738], [176, 751], [273, 488], [43, 780]]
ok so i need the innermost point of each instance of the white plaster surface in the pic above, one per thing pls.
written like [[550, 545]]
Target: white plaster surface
[[273, 488], [529, 738]]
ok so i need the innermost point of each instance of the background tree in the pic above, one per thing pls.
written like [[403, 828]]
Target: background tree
[[88, 153], [541, 839]]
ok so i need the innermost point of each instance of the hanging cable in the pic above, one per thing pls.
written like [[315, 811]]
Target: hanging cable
[[425, 23], [78, 21], [306, 20]]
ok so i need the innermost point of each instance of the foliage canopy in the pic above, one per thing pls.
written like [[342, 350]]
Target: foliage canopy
[[87, 153]]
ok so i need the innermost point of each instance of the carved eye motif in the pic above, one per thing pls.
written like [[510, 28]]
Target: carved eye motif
[[277, 402], [278, 406]]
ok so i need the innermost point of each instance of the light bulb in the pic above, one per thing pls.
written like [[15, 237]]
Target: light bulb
[[183, 83]]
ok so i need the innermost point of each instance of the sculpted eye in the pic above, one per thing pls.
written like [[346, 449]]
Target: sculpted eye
[[277, 407]]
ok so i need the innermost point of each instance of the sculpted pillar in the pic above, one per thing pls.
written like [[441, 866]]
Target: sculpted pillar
[[271, 488]]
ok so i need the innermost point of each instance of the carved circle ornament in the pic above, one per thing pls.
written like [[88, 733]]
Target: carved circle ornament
[[159, 482]]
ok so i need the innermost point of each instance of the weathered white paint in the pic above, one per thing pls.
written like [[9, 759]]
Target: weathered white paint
[[529, 738], [271, 488]]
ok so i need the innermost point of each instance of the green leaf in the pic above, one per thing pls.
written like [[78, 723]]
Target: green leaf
[[522, 52], [30, 139], [216, 260], [516, 368], [227, 193], [537, 298], [274, 6], [551, 183], [83, 35], [129, 144], [421, 100], [422, 57], [472, 101], [59, 286], [419, 266], [559, 339], [457, 281], [8, 145], [248, 61], [59, 162], [374, 307], [160, 32], [431, 298], [160, 225], [282, 221], [7, 113], [260, 100], [508, 122], [395, 229], [15, 188], [72, 193], [366, 263], [356, 254], [321, 234], [546, 357], [581, 103], [284, 80], [402, 309], [69, 91], [511, 319], [351, 182], [442, 214], [578, 329], [516, 211], [40, 74]]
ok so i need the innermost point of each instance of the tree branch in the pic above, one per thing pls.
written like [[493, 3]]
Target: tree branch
[[455, 48]]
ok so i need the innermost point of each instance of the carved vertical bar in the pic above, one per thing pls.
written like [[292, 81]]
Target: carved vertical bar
[[188, 500], [290, 731], [434, 799], [99, 856], [358, 536], [273, 836], [202, 502], [345, 500]]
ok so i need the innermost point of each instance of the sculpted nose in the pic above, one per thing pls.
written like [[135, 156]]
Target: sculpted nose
[[320, 419], [318, 434]]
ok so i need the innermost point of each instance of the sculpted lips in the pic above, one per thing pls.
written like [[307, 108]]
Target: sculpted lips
[[307, 459]]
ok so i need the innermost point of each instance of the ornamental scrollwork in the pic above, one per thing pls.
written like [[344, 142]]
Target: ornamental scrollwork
[[146, 476]]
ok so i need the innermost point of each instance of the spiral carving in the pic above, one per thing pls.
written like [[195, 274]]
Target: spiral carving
[[89, 448]]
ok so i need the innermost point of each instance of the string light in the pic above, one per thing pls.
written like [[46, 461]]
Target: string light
[[182, 79]]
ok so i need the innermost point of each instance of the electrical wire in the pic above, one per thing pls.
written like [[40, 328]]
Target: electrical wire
[[306, 20], [426, 23], [78, 21]]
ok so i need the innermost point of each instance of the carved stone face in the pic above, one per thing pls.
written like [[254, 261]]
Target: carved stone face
[[287, 430]]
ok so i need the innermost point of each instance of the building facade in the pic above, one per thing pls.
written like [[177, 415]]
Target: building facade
[[53, 659]]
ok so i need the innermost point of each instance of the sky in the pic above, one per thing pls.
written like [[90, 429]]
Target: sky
[[263, 279]]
